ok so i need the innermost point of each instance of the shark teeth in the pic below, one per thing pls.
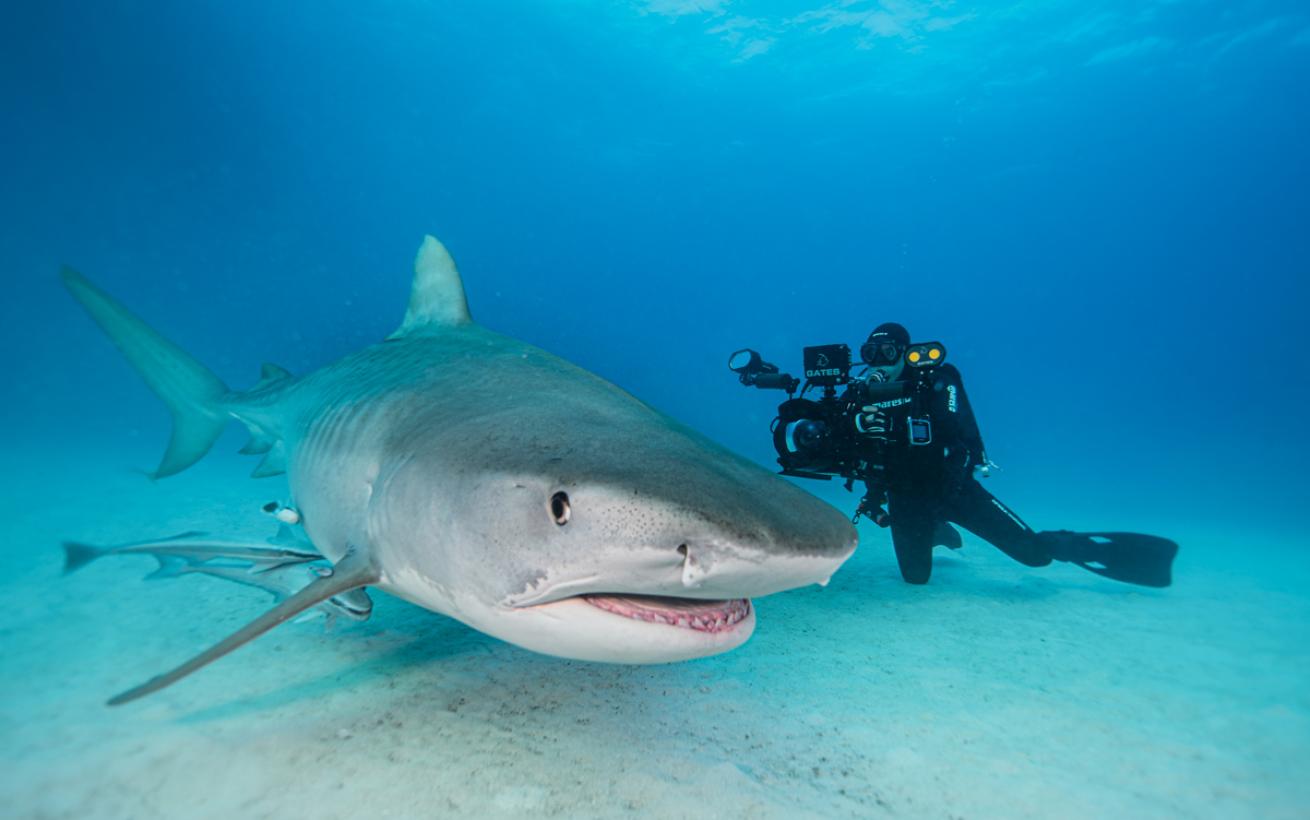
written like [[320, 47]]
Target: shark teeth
[[685, 613]]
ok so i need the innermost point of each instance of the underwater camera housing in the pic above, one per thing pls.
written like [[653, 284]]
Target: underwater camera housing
[[817, 438]]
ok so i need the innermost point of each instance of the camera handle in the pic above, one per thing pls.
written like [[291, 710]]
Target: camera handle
[[771, 381], [753, 371]]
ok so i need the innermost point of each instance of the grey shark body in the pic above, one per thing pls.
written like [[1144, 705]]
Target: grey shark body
[[486, 479]]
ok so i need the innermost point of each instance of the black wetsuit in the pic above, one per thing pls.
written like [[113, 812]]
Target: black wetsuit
[[932, 483]]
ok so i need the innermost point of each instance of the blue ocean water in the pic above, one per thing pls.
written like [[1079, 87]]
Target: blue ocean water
[[1100, 209]]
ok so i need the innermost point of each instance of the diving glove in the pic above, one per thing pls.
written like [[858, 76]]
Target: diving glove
[[873, 422]]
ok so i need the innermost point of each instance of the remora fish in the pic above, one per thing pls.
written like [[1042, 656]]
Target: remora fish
[[283, 582], [486, 479], [191, 548], [281, 569]]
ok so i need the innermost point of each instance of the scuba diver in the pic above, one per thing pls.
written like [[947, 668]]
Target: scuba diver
[[931, 448]]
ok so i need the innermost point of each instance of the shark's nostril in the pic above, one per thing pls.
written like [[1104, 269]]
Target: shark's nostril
[[692, 572]]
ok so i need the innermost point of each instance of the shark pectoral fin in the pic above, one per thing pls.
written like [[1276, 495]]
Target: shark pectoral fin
[[353, 571]]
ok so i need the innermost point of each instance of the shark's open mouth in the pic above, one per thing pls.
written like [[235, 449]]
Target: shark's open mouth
[[688, 613]]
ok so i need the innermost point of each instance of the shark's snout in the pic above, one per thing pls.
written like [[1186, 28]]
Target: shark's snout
[[671, 601], [696, 558], [712, 567], [766, 536]]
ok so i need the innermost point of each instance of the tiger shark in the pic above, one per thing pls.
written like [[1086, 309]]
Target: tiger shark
[[488, 480]]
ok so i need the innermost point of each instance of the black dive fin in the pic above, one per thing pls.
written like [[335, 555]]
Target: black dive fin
[[944, 535], [352, 572], [1129, 557]]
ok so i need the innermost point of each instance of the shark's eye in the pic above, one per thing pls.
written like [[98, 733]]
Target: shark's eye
[[559, 508]]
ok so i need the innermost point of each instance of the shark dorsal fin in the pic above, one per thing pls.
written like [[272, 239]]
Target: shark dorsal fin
[[437, 299], [270, 373]]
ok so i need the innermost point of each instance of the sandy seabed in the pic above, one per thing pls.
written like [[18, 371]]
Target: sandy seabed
[[996, 691]]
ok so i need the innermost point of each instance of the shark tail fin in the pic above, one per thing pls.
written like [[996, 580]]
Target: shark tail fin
[[351, 572], [193, 394], [77, 555]]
